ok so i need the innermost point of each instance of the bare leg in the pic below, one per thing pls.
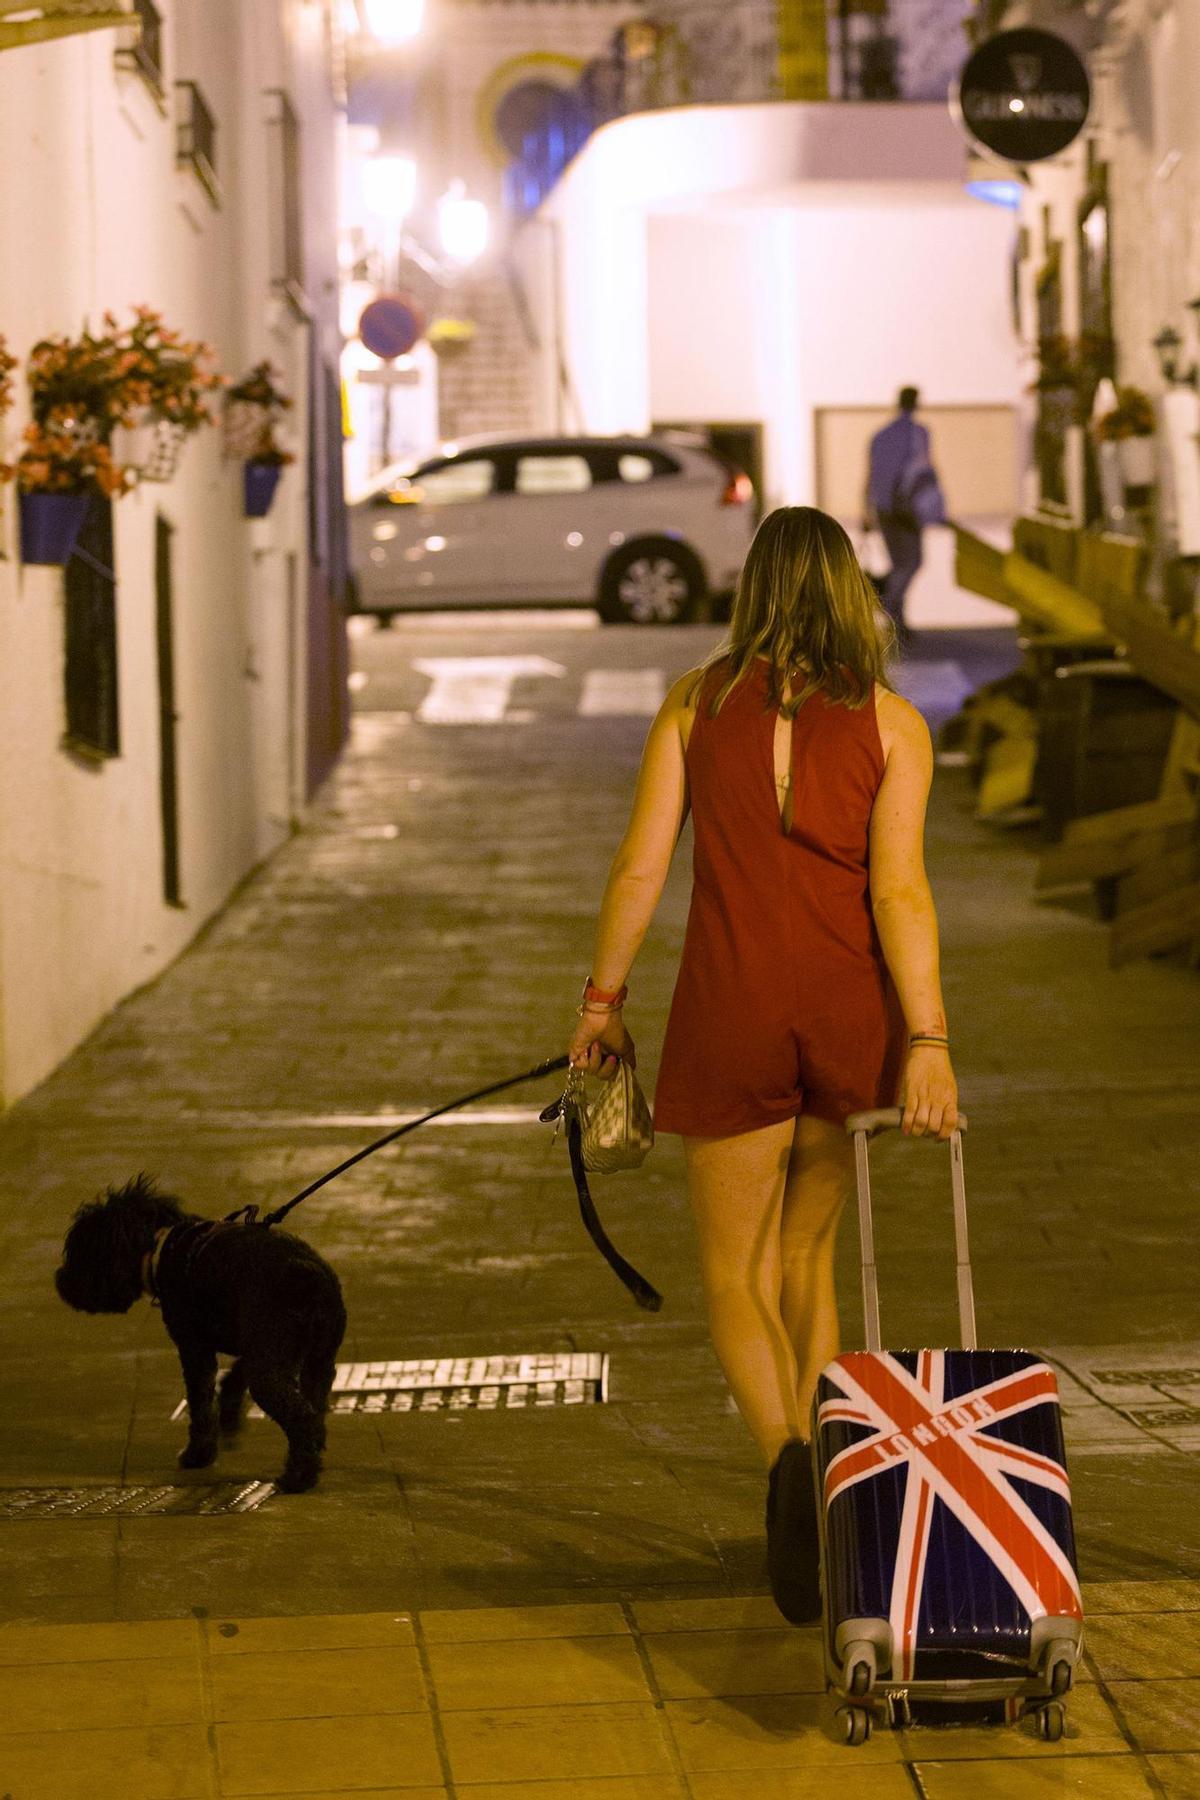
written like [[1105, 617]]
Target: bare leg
[[736, 1187], [818, 1179]]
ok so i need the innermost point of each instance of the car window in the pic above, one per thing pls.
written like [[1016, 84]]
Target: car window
[[466, 478], [632, 467], [551, 474]]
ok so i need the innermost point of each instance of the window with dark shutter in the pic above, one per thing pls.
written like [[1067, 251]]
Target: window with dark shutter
[[287, 213], [93, 726], [196, 144], [145, 55]]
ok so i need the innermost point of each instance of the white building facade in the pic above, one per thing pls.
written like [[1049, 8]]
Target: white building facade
[[211, 649], [1110, 264], [781, 271]]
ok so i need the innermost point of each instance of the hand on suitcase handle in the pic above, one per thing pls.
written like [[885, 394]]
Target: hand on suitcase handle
[[888, 1118], [862, 1126]]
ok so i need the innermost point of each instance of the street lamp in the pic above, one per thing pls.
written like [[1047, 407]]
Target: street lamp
[[463, 224], [393, 21], [389, 187], [1168, 344]]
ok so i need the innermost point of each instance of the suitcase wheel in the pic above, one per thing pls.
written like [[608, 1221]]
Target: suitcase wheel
[[1059, 1667], [1051, 1721], [859, 1665], [856, 1723]]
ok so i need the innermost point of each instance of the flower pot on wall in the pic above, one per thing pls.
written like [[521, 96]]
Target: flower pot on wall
[[50, 526], [149, 445], [260, 481], [244, 424], [1137, 461]]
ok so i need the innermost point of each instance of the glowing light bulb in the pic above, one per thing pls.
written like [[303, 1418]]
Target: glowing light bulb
[[389, 186], [463, 224], [393, 21]]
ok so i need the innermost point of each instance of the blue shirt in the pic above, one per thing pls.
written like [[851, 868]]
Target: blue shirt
[[892, 449]]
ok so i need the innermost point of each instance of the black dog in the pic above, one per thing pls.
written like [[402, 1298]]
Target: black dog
[[249, 1291]]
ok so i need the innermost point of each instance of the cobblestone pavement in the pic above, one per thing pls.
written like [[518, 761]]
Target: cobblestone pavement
[[504, 1599]]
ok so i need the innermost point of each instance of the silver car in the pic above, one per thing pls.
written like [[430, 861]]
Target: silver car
[[646, 529]]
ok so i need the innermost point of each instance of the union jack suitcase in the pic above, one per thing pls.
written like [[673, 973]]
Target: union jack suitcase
[[947, 1547]]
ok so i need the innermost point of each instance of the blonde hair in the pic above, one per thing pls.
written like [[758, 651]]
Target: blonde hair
[[805, 605]]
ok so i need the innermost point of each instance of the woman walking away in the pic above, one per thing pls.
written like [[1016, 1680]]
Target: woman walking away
[[809, 985]]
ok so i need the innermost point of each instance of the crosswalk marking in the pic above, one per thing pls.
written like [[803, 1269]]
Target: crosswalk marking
[[477, 690], [612, 693], [474, 690]]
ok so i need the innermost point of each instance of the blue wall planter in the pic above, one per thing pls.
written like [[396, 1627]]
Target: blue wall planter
[[261, 479], [50, 526]]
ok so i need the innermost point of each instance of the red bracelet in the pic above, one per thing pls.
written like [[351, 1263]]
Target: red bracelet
[[613, 997]]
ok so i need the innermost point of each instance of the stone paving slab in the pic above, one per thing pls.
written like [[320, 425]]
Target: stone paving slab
[[698, 1698]]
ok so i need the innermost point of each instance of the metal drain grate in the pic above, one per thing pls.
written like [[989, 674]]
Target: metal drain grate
[[462, 1383], [132, 1502], [1157, 1378], [1162, 1418]]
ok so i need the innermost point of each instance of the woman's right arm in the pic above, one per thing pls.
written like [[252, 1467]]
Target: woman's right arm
[[904, 913]]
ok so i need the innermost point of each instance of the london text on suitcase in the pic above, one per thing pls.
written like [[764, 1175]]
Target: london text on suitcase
[[947, 1547]]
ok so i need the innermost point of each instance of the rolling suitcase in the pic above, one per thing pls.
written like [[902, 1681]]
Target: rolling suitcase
[[947, 1548]]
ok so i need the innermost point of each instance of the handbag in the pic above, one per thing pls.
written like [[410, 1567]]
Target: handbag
[[615, 1133]]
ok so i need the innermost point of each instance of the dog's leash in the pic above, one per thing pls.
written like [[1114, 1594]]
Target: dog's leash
[[638, 1286], [647, 1297]]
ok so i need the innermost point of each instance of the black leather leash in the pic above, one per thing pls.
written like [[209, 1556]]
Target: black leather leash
[[645, 1295], [250, 1213]]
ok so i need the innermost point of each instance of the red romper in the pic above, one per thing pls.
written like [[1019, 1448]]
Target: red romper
[[783, 1003]]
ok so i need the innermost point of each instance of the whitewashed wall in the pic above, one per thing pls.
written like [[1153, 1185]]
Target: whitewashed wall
[[1145, 125], [834, 298], [94, 214], [760, 262]]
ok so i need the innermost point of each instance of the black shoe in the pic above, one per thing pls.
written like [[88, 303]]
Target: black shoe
[[793, 1543]]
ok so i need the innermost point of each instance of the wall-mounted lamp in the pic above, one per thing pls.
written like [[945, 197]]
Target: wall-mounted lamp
[[1168, 344], [463, 224], [389, 187]]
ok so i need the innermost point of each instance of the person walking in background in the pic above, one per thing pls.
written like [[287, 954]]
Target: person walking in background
[[809, 983], [903, 495]]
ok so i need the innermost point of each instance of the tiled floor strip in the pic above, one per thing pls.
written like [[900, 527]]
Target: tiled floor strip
[[667, 1699]]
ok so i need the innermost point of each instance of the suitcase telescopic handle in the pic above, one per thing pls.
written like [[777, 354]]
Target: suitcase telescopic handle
[[862, 1127]]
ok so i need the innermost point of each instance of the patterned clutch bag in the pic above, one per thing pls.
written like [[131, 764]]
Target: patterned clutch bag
[[616, 1130]]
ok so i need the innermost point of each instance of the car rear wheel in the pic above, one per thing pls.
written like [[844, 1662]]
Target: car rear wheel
[[655, 582]]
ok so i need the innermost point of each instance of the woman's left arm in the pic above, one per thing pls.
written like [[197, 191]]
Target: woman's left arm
[[636, 879]]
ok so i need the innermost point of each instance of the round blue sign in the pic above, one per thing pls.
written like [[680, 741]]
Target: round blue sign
[[391, 325]]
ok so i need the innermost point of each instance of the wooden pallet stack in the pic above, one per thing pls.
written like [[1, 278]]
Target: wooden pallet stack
[[1106, 704]]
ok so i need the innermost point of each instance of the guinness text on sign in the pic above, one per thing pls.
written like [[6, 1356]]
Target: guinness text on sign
[[1024, 95]]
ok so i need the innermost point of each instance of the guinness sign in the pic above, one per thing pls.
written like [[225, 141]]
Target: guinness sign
[[1023, 95]]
